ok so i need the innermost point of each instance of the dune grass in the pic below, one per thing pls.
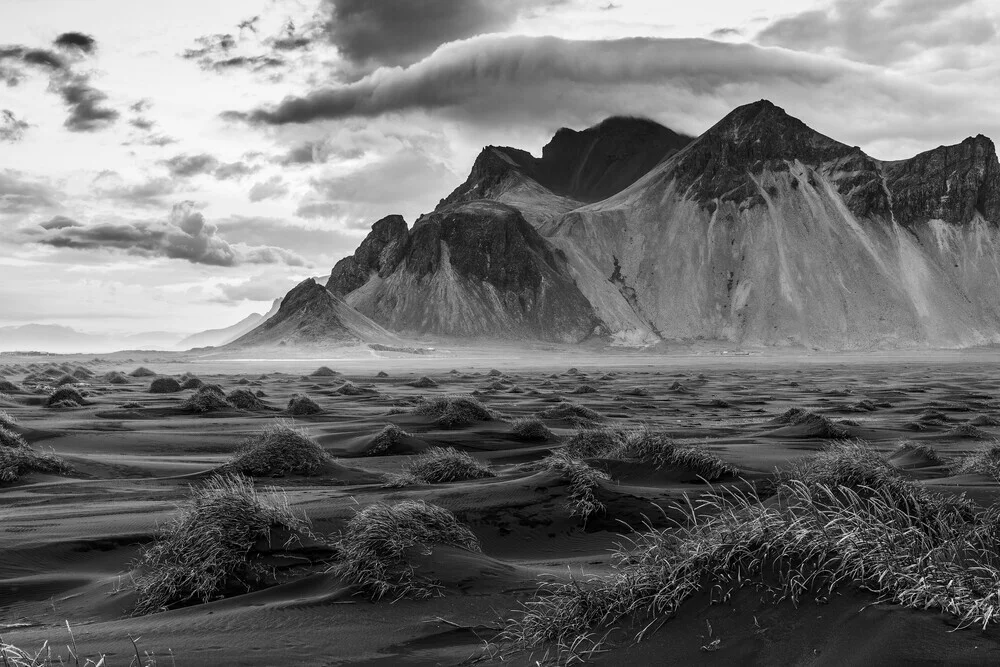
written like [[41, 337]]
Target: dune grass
[[18, 458], [278, 449], [926, 452], [48, 655], [439, 465], [323, 372], [300, 405], [985, 461], [244, 399], [579, 415], [8, 386], [375, 545], [875, 531], [531, 429], [642, 445], [423, 383], [582, 500], [192, 383], [142, 372], [385, 440], [456, 411], [65, 397], [207, 548], [7, 420], [207, 398], [115, 377], [164, 385]]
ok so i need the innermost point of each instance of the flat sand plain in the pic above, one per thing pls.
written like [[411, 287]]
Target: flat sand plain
[[67, 542]]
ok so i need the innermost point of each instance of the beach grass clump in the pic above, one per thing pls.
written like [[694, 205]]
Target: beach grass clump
[[456, 411], [531, 429], [67, 379], [10, 438], [208, 398], [7, 420], [579, 415], [351, 389], [164, 385], [925, 452], [374, 547], [192, 383], [984, 461], [300, 405], [323, 372], [7, 386], [439, 465], [207, 549], [648, 447], [903, 544], [17, 458], [278, 449], [115, 377], [386, 439], [142, 372], [65, 397], [244, 399], [583, 481], [423, 383]]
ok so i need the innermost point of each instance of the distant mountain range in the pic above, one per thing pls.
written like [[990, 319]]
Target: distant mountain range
[[760, 232], [57, 338], [217, 337]]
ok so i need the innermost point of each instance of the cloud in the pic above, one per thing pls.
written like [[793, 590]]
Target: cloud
[[310, 241], [60, 222], [235, 170], [723, 33], [401, 32], [88, 112], [273, 188], [184, 235], [76, 41], [409, 182], [186, 166], [886, 31], [11, 127], [492, 81], [318, 151], [19, 194], [261, 287], [148, 193]]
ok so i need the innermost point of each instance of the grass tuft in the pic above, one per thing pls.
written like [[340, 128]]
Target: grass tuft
[[142, 372], [583, 480], [323, 372], [278, 449], [300, 404], [208, 398], [455, 411], [244, 399], [376, 543], [385, 440], [439, 465], [531, 429], [65, 397], [164, 385], [208, 547]]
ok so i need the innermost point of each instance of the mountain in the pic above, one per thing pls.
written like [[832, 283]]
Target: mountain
[[576, 167], [312, 315], [66, 340], [472, 269], [218, 337], [766, 232]]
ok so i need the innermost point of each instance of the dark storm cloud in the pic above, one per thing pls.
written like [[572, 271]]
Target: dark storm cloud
[[11, 127], [184, 235], [185, 166], [884, 31], [484, 76], [88, 111], [76, 41], [401, 32]]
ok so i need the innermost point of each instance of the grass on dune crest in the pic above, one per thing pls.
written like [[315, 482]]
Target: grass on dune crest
[[207, 398], [244, 399], [375, 545], [583, 480], [49, 655], [834, 524], [207, 548], [300, 405], [642, 445], [65, 397], [985, 460], [385, 440], [278, 449], [17, 459], [6, 420], [439, 465], [531, 429], [456, 411]]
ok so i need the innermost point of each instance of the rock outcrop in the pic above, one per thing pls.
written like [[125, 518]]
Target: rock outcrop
[[469, 269]]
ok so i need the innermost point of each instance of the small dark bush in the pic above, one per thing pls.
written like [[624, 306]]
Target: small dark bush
[[164, 386]]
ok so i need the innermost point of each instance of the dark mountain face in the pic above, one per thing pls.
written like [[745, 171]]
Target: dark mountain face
[[470, 269], [312, 315], [950, 183], [379, 253], [585, 166]]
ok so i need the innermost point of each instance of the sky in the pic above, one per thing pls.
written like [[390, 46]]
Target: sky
[[175, 167]]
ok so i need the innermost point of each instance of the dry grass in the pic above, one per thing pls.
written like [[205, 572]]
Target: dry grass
[[583, 481], [455, 411], [65, 397], [323, 372], [439, 465], [531, 430], [579, 415], [376, 543], [423, 383], [142, 372], [6, 420], [244, 399], [192, 383], [207, 548], [48, 655], [386, 439], [927, 453], [17, 459], [8, 386], [115, 377], [985, 461], [164, 385], [903, 544], [278, 449], [300, 404], [641, 445], [208, 398]]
